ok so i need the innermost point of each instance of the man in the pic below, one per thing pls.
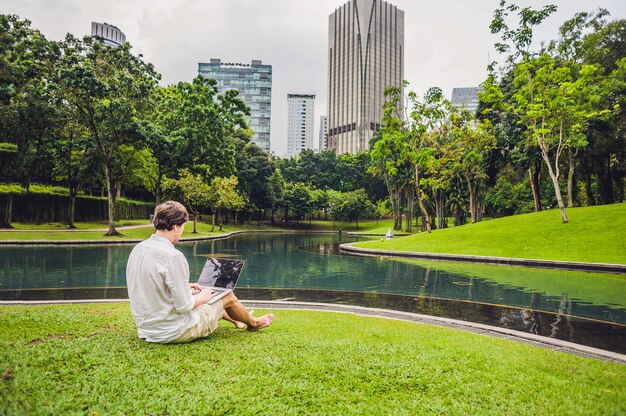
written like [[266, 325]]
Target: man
[[165, 306]]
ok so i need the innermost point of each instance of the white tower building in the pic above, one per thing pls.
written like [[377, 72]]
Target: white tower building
[[301, 120]]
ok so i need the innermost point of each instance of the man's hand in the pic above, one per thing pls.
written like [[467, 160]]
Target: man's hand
[[195, 288], [203, 296]]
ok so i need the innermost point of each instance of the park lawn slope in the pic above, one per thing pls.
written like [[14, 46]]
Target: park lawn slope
[[87, 359], [593, 234]]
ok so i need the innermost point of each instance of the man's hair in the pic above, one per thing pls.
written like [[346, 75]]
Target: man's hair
[[169, 214]]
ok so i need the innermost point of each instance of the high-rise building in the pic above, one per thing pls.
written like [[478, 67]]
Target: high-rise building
[[110, 34], [365, 56], [323, 136], [465, 97], [254, 82], [301, 119]]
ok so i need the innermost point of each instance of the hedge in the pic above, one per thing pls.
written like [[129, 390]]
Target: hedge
[[41, 207]]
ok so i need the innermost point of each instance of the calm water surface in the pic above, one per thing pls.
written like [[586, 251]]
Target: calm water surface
[[307, 267]]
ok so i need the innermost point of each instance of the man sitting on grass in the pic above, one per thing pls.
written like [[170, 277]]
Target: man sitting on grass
[[165, 306]]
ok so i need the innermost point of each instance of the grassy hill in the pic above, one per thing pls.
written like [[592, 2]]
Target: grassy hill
[[593, 234]]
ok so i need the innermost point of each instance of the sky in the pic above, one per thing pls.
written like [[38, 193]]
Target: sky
[[447, 42]]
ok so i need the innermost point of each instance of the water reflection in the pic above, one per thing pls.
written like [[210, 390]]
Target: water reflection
[[312, 261]]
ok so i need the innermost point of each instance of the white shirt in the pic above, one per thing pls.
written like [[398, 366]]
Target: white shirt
[[157, 276]]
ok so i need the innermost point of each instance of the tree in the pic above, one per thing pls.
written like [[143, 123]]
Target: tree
[[207, 120], [276, 190], [297, 197], [192, 191], [555, 97], [389, 149], [427, 119], [162, 138], [320, 201], [109, 88], [354, 205], [29, 105], [75, 162], [254, 168], [474, 141], [602, 164], [224, 196]]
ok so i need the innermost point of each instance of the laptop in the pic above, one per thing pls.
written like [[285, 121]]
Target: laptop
[[220, 275]]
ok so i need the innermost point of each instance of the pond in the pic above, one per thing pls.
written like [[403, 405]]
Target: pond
[[587, 308]]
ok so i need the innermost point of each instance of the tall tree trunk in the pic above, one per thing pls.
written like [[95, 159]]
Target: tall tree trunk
[[442, 214], [71, 210], [111, 200], [534, 185], [554, 175], [195, 223], [420, 200], [398, 220], [586, 174], [607, 183], [472, 201], [410, 200], [392, 198], [157, 188], [6, 212], [212, 219], [221, 216], [570, 178]]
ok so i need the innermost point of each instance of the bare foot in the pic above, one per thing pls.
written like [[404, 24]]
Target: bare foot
[[241, 325], [262, 322]]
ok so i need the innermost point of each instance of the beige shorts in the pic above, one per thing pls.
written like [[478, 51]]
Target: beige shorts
[[209, 315]]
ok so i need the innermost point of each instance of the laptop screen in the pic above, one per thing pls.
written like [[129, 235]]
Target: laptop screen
[[220, 273]]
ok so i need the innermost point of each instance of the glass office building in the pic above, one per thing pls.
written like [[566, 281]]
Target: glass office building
[[254, 83], [465, 98], [323, 135], [365, 56]]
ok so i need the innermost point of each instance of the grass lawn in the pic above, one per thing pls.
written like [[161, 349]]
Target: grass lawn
[[593, 234], [204, 229], [87, 359], [82, 226]]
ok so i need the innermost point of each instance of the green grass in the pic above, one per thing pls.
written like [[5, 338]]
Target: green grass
[[87, 359], [593, 234], [81, 226], [204, 229]]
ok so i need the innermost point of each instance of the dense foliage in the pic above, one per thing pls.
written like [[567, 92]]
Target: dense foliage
[[549, 132]]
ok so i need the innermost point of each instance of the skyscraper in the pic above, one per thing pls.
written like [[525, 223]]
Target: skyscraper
[[323, 137], [466, 98], [365, 56], [301, 119], [254, 82], [111, 35]]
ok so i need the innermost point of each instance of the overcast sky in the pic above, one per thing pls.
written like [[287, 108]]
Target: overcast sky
[[447, 42]]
